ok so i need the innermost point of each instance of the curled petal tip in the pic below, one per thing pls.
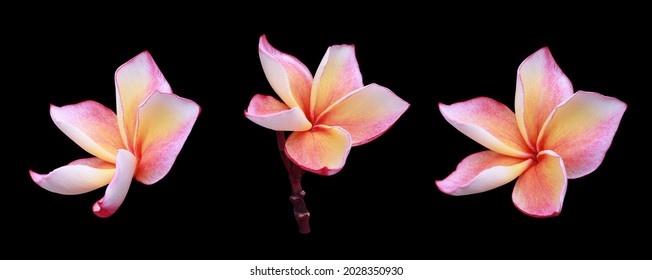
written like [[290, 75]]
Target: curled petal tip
[[481, 172], [101, 212], [78, 177], [488, 122], [270, 113], [439, 185], [288, 76], [118, 187], [36, 177], [540, 86]]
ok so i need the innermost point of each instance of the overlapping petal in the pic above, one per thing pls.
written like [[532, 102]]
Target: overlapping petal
[[92, 126], [338, 75], [365, 113], [489, 123], [80, 176], [540, 87], [289, 78], [164, 123], [483, 171], [119, 186], [581, 131], [135, 81], [270, 113], [322, 150], [540, 190]]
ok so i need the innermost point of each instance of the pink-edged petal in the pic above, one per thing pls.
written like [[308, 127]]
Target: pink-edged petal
[[270, 113], [135, 81], [581, 130], [289, 78], [481, 172], [80, 176], [92, 126], [540, 190], [365, 113], [489, 123], [338, 74], [117, 190], [164, 123], [540, 87], [322, 150]]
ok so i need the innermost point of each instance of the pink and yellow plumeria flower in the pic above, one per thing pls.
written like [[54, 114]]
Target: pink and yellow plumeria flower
[[142, 141], [554, 136], [329, 114]]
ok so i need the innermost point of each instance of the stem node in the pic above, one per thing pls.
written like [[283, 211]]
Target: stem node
[[301, 213]]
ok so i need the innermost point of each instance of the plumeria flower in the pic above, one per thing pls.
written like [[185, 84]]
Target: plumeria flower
[[141, 141], [555, 135], [328, 114]]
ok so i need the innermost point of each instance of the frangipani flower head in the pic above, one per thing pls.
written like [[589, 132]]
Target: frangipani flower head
[[328, 114], [555, 135], [141, 141]]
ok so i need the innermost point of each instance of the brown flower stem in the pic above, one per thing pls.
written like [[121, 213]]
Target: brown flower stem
[[295, 172]]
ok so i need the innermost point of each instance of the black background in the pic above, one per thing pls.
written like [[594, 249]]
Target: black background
[[226, 196]]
